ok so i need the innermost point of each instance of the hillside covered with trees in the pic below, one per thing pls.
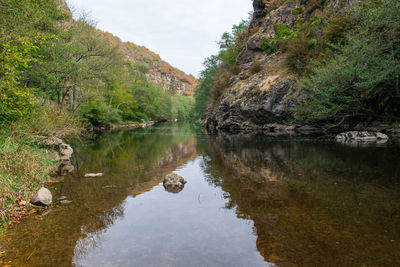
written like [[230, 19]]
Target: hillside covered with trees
[[59, 75]]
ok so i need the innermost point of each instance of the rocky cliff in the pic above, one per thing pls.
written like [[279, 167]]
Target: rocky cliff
[[264, 98], [157, 70], [256, 101]]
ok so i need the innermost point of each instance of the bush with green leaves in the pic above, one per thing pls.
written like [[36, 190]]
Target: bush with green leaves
[[360, 79]]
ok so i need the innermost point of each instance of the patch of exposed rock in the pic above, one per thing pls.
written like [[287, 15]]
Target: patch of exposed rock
[[174, 183], [253, 103]]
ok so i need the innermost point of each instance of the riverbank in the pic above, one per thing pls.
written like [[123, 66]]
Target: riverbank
[[31, 156], [276, 129], [28, 159]]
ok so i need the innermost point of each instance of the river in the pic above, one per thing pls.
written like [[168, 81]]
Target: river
[[250, 200]]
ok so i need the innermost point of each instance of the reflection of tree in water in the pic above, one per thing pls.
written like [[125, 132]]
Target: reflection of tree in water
[[93, 236], [312, 203], [132, 161]]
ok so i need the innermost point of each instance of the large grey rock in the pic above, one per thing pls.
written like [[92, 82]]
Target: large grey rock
[[254, 109], [361, 136], [174, 183], [42, 198]]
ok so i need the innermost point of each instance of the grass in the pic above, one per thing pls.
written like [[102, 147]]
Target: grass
[[24, 165]]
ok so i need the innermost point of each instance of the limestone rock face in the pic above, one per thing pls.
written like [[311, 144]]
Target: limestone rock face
[[253, 103], [174, 183], [42, 198]]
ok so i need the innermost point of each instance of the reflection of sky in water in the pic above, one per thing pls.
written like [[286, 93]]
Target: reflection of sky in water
[[191, 228]]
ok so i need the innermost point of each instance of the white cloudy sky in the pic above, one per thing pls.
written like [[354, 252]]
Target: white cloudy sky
[[182, 32]]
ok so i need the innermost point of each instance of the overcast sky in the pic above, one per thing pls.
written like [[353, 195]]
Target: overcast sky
[[182, 32]]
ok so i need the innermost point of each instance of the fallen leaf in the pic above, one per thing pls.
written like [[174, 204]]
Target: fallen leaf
[[22, 203]]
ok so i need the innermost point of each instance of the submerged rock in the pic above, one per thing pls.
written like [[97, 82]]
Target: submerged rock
[[65, 202], [174, 183], [42, 198], [362, 136], [91, 175]]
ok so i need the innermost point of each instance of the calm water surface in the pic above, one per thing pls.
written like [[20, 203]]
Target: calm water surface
[[249, 201]]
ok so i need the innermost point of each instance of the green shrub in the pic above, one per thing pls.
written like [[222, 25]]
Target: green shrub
[[269, 46], [297, 11], [298, 53], [360, 79], [282, 31], [99, 114], [336, 29]]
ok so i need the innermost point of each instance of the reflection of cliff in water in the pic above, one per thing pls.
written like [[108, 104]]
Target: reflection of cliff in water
[[132, 162], [311, 203]]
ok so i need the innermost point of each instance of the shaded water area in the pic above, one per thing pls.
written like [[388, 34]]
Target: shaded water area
[[249, 201]]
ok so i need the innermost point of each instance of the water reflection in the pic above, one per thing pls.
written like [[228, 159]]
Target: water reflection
[[249, 201], [312, 203]]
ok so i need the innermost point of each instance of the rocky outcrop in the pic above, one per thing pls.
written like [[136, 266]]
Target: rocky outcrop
[[42, 198], [255, 100], [253, 103], [58, 151], [156, 70], [263, 98], [259, 13], [174, 183]]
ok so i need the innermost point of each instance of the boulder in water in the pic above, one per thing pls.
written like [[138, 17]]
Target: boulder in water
[[174, 183], [361, 136]]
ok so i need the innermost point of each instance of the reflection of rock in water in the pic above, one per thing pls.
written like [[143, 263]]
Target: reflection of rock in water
[[290, 189], [174, 183]]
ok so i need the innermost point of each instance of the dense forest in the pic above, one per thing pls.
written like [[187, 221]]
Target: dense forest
[[344, 58]]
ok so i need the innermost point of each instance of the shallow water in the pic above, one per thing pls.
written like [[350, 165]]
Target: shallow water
[[249, 201]]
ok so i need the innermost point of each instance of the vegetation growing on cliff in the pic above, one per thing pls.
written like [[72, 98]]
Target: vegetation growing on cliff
[[220, 68], [344, 55], [360, 76]]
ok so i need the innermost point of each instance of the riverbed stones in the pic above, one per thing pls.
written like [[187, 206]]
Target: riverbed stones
[[52, 141], [174, 183], [66, 150], [92, 175], [42, 198], [65, 202], [362, 136]]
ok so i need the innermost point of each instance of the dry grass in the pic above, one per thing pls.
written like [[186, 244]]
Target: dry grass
[[24, 166], [49, 120]]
